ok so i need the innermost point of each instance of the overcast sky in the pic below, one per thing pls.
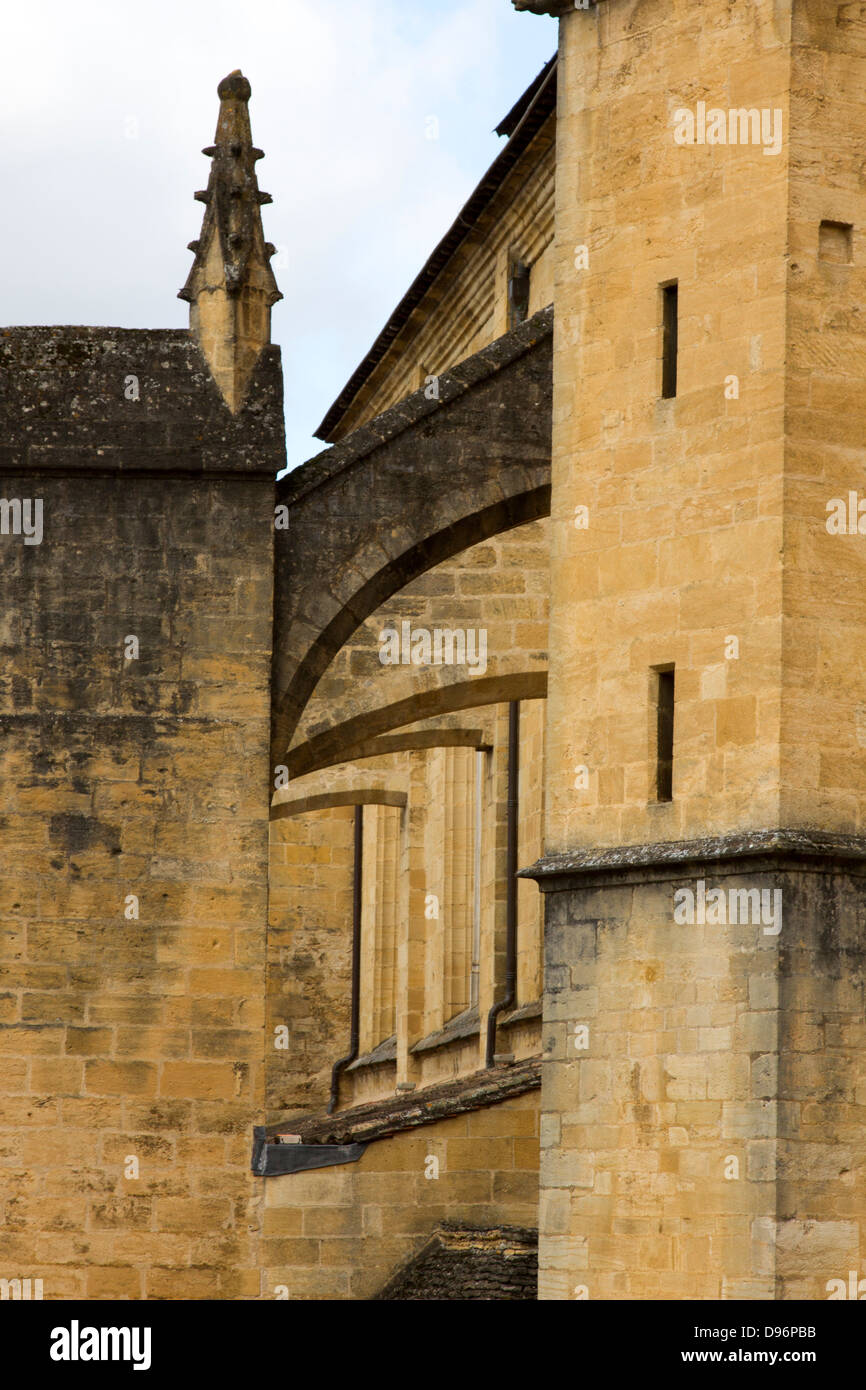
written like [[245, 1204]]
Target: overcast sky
[[106, 105]]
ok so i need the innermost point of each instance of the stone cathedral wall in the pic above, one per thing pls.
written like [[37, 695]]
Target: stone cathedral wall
[[133, 831]]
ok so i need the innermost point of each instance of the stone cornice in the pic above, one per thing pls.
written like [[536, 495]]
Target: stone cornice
[[797, 847], [551, 7]]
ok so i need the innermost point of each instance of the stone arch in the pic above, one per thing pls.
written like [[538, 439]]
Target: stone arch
[[341, 743], [413, 488], [324, 801], [441, 613]]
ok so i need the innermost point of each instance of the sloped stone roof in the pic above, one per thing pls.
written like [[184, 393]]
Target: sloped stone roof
[[380, 1119], [468, 1264]]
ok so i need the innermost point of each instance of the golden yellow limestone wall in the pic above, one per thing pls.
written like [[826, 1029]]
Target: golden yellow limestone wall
[[448, 858], [425, 854], [702, 1102], [467, 307], [499, 585], [134, 890], [640, 1125], [379, 925], [824, 692], [703, 1096], [340, 1232], [661, 1121], [682, 546], [309, 956], [530, 905]]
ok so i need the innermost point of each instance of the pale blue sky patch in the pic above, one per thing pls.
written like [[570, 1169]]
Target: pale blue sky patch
[[104, 108]]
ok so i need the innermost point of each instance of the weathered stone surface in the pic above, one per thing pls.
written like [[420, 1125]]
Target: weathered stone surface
[[719, 1059], [134, 818], [231, 287], [464, 1264], [383, 1118], [68, 403], [703, 1078]]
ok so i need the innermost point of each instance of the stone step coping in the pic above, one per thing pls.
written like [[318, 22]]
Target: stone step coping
[[382, 1118]]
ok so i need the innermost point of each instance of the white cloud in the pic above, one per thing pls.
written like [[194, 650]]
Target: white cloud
[[105, 105]]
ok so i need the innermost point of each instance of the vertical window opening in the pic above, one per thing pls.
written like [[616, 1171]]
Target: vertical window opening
[[665, 736], [475, 964], [518, 292], [670, 326]]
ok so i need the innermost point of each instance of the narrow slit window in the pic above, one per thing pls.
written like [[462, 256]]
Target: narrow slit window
[[665, 736], [518, 292], [670, 326]]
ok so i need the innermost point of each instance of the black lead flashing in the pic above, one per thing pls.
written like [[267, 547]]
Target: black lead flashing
[[273, 1160]]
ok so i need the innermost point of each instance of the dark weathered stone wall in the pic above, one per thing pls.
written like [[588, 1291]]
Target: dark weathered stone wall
[[704, 1135], [133, 1044], [461, 1264]]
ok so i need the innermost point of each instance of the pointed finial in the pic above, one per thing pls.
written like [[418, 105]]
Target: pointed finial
[[234, 87], [231, 286]]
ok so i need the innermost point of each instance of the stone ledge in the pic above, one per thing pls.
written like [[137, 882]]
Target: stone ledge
[[524, 1014], [465, 1025], [382, 1118], [772, 846], [385, 1052]]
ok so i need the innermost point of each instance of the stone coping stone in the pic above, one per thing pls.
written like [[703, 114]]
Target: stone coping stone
[[793, 848], [382, 1118], [465, 1025]]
